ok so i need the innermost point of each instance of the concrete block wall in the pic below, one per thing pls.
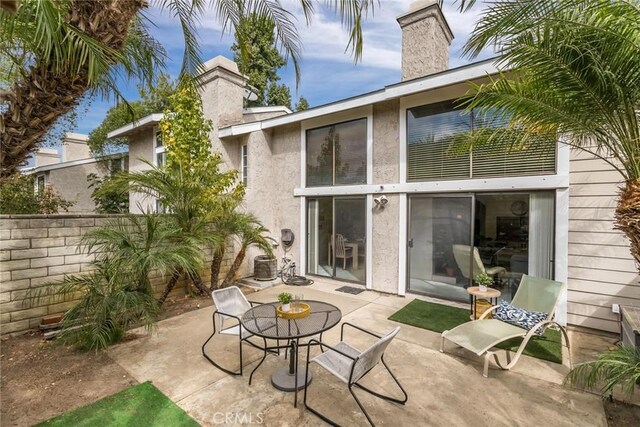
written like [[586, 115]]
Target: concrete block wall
[[38, 249]]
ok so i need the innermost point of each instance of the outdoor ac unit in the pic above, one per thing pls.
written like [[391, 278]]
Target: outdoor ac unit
[[630, 325]]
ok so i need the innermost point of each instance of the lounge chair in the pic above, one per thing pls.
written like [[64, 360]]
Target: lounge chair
[[479, 336]]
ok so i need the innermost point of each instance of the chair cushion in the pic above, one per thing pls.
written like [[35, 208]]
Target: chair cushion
[[519, 316]]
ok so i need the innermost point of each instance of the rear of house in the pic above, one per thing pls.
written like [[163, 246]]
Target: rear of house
[[375, 197]]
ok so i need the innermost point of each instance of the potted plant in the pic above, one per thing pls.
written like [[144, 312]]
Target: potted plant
[[285, 299], [484, 280]]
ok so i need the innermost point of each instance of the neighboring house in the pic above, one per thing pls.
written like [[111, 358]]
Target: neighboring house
[[68, 175], [374, 197]]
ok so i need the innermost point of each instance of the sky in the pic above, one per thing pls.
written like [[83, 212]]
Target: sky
[[328, 73]]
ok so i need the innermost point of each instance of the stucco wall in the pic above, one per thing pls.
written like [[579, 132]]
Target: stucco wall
[[601, 269], [71, 182], [140, 147]]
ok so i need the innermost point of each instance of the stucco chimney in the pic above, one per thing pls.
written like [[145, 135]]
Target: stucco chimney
[[222, 91], [74, 147], [426, 38], [46, 156]]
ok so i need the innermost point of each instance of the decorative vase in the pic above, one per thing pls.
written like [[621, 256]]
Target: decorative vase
[[483, 288], [286, 307]]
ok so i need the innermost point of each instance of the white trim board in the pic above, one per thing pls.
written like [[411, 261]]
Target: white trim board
[[520, 183], [434, 81]]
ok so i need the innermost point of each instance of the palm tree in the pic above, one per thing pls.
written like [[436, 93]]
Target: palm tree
[[61, 50], [575, 73], [251, 233], [227, 222]]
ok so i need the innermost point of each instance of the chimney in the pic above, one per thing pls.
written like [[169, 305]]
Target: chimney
[[46, 156], [222, 91], [74, 147], [426, 38]]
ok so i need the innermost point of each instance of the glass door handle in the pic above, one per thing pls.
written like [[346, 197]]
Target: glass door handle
[[410, 243]]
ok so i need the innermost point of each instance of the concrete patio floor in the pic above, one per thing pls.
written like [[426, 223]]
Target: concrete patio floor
[[444, 389]]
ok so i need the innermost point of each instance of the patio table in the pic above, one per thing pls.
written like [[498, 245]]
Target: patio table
[[323, 316]]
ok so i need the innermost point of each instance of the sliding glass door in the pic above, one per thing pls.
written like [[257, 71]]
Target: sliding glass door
[[336, 236], [453, 238]]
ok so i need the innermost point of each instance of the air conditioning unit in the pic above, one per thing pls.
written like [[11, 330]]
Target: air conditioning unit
[[630, 325]]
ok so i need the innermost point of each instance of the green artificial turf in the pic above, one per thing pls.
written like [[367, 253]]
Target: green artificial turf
[[141, 405], [439, 318]]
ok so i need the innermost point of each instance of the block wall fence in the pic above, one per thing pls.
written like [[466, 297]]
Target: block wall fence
[[38, 249]]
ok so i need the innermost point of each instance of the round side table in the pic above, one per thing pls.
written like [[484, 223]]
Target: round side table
[[474, 292]]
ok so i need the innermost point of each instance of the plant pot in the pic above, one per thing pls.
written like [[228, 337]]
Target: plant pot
[[450, 271], [483, 288], [286, 307]]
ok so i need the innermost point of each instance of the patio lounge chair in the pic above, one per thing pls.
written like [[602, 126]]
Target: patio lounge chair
[[231, 304], [350, 365], [479, 336]]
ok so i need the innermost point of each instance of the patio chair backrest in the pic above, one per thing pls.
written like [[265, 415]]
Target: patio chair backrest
[[463, 256], [537, 294], [370, 357], [340, 250], [230, 300]]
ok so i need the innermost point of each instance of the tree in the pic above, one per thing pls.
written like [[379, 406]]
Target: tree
[[302, 104], [576, 76], [63, 49], [278, 94], [107, 201], [19, 196], [152, 100]]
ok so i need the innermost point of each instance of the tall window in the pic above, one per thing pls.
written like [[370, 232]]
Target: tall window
[[337, 154], [40, 183], [431, 130], [244, 166], [160, 150]]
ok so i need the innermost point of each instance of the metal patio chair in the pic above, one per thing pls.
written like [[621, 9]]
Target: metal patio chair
[[230, 303], [350, 365], [479, 336]]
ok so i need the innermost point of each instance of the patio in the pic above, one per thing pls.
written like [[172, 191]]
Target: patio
[[443, 389]]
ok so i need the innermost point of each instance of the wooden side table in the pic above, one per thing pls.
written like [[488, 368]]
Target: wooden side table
[[474, 292]]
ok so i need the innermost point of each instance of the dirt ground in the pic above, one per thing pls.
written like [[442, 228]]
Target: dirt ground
[[622, 414], [41, 379]]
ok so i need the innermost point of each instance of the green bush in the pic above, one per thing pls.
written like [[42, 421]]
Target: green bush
[[18, 196]]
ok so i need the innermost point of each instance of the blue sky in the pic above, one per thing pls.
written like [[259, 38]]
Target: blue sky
[[328, 73]]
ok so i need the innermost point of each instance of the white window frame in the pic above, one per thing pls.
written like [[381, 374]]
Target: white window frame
[[158, 149], [244, 164]]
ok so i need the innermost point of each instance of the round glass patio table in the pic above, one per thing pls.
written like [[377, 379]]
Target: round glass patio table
[[263, 321]]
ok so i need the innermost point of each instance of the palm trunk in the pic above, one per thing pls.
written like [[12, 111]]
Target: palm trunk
[[216, 264], [198, 284], [234, 267], [170, 285], [628, 216], [43, 95]]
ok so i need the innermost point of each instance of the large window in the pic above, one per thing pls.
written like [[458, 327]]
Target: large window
[[430, 133], [337, 154]]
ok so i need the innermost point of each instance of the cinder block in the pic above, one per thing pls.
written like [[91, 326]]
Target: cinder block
[[47, 223], [11, 327], [45, 281], [47, 262], [99, 222], [28, 273], [63, 250], [5, 318], [10, 224], [61, 307], [64, 269], [31, 313], [78, 259], [47, 243], [5, 297], [79, 222], [19, 264], [72, 241], [5, 276], [28, 253], [14, 285], [64, 232], [15, 244], [84, 267], [10, 307], [5, 255], [5, 234], [29, 233]]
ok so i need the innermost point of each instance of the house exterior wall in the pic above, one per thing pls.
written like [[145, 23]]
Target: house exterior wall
[[141, 148], [601, 269], [71, 183]]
